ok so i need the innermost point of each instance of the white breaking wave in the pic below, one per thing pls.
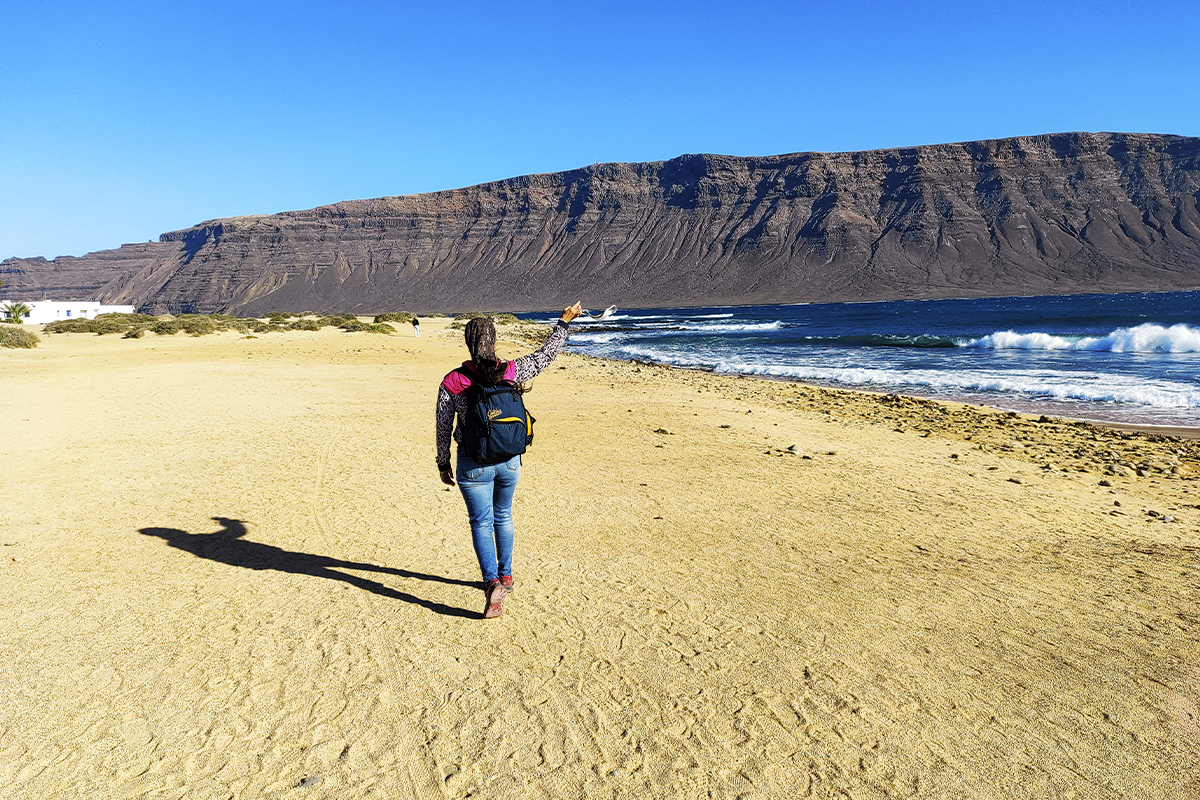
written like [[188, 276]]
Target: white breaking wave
[[1145, 338], [1106, 388], [734, 327], [599, 337]]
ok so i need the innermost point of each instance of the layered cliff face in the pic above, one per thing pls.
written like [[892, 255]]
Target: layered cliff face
[[1053, 214]]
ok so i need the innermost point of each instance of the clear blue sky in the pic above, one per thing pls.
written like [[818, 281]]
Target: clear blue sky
[[122, 120]]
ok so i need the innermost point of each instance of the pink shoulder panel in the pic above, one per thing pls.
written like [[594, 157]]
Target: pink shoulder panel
[[457, 383]]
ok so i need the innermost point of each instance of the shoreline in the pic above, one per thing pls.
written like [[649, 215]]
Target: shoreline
[[1176, 431], [1120, 391]]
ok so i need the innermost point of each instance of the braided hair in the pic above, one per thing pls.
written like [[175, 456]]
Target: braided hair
[[480, 335]]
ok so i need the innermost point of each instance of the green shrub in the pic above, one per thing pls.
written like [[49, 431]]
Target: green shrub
[[305, 325], [226, 322], [134, 326], [367, 327], [166, 326], [336, 320], [461, 320], [279, 316], [103, 326], [17, 337], [69, 326], [132, 319], [198, 326], [395, 316]]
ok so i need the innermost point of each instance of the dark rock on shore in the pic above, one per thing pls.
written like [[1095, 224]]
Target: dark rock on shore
[[1053, 214]]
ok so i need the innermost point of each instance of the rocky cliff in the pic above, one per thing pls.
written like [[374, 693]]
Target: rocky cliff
[[1054, 214]]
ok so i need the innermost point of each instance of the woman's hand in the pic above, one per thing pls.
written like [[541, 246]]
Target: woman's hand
[[571, 312], [447, 476]]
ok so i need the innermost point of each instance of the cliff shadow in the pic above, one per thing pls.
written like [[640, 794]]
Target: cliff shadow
[[229, 546]]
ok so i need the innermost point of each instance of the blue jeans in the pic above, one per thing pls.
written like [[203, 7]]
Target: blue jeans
[[488, 491]]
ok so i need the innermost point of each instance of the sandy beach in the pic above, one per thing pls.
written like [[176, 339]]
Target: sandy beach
[[228, 570]]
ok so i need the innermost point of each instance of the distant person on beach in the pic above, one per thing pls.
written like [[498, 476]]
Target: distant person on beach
[[416, 327], [488, 489]]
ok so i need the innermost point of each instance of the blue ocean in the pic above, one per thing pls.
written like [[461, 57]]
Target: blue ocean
[[1131, 358]]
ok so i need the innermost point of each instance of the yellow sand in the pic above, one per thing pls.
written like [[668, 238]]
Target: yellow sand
[[228, 569]]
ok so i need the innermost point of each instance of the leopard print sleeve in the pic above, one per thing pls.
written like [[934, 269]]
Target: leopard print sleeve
[[445, 424], [530, 366]]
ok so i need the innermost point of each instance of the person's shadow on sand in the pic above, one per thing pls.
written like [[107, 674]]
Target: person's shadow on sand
[[229, 546]]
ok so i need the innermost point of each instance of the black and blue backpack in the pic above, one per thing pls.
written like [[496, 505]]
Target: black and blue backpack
[[497, 425]]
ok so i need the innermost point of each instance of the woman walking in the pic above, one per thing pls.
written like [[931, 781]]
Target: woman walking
[[488, 489]]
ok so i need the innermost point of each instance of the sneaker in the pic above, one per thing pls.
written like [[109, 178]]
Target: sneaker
[[495, 599], [506, 580]]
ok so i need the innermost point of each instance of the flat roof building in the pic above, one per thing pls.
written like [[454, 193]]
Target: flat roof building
[[44, 311]]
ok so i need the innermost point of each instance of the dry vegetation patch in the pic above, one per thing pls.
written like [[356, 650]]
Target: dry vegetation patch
[[14, 337], [135, 326]]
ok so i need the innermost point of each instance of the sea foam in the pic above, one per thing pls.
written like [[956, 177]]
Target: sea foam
[[1105, 389], [734, 327], [1145, 338]]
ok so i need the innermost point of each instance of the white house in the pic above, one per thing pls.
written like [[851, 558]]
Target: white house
[[43, 311]]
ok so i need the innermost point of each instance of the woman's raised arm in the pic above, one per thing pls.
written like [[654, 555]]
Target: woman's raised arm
[[530, 366]]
